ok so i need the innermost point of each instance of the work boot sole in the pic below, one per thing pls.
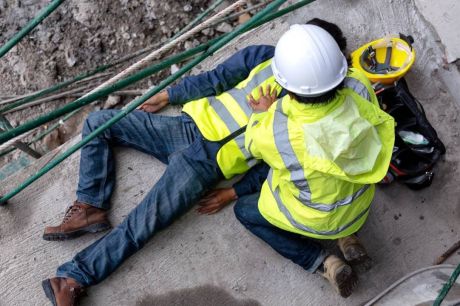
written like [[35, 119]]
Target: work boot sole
[[94, 228], [46, 284], [357, 256], [346, 281]]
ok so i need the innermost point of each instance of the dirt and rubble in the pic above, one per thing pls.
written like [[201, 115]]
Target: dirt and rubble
[[81, 35]]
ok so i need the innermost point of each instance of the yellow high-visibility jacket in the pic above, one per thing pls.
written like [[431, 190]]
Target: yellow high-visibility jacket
[[219, 116], [324, 159]]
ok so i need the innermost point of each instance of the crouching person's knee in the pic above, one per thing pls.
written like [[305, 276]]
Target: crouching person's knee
[[241, 212], [247, 211]]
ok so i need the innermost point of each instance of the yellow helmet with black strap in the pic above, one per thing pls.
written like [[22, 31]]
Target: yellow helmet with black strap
[[385, 60]]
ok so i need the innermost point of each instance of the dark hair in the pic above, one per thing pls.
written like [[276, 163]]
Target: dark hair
[[324, 98], [332, 29]]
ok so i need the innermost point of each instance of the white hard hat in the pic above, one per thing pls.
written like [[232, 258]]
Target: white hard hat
[[308, 61]]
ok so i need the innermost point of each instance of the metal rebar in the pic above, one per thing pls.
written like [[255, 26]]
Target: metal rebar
[[30, 26], [6, 125], [8, 100], [84, 76], [123, 83], [253, 22], [238, 14], [7, 135], [175, 59], [102, 68], [50, 98], [447, 286], [198, 18], [52, 89]]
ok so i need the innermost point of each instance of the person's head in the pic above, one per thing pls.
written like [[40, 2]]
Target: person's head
[[309, 63]]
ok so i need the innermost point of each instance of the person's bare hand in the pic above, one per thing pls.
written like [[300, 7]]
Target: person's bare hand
[[216, 200], [155, 103], [265, 100]]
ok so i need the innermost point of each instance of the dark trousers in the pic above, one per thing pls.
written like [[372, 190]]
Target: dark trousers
[[302, 250]]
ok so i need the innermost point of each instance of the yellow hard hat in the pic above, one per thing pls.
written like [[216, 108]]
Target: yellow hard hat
[[385, 60]]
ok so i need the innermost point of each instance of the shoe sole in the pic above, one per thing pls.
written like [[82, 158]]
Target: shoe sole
[[358, 258], [361, 264], [94, 228], [346, 281], [354, 253], [46, 284]]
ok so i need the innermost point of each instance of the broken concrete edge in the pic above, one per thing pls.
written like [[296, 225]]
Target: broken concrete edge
[[447, 71], [441, 20]]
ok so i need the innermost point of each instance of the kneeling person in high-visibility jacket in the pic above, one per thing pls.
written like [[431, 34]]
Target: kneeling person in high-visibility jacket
[[327, 143]]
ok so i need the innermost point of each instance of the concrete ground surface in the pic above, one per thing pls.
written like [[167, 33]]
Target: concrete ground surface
[[213, 260]]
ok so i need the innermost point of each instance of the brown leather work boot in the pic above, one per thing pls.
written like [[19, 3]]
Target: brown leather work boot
[[354, 252], [79, 219], [340, 275], [62, 291]]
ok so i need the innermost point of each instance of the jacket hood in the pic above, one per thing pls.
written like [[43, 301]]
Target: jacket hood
[[353, 142]]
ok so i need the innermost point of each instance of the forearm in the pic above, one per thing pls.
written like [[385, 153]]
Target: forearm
[[224, 77], [253, 180]]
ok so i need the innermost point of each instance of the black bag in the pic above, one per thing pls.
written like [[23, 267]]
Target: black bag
[[417, 145]]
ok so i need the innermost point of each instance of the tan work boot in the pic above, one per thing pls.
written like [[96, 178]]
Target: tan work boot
[[79, 219], [353, 251], [62, 291], [340, 275]]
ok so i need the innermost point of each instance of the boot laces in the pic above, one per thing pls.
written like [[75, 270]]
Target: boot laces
[[70, 212]]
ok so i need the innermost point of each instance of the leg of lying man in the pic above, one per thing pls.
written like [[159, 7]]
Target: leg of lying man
[[182, 184], [153, 134], [185, 180]]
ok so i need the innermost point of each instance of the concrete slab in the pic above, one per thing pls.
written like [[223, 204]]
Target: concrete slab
[[214, 260], [444, 16]]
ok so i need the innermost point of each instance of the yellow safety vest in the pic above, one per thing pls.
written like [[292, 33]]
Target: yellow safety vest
[[218, 117], [324, 160]]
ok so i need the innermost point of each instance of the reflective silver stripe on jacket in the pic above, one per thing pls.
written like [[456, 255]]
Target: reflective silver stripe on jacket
[[297, 173], [284, 147], [303, 227], [231, 124], [250, 160], [240, 97], [240, 94], [358, 87]]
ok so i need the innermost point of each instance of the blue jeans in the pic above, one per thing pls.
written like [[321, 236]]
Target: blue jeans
[[190, 172], [301, 250]]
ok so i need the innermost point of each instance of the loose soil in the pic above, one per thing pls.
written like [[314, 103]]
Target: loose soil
[[79, 36]]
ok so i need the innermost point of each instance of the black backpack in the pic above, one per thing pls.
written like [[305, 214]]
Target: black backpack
[[417, 145]]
